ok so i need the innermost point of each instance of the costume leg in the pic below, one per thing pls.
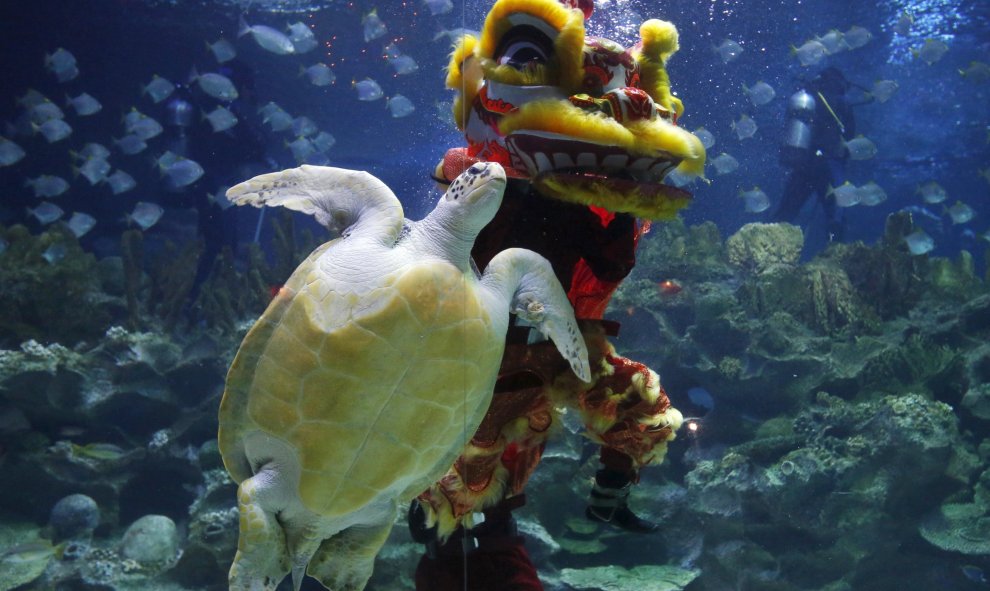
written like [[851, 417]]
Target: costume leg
[[610, 494]]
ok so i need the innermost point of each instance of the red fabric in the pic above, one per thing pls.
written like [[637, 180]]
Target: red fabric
[[507, 570]]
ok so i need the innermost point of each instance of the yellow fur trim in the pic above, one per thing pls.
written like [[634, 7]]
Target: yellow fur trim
[[562, 117], [569, 50], [537, 75], [660, 135], [464, 75], [641, 204], [497, 22], [659, 41]]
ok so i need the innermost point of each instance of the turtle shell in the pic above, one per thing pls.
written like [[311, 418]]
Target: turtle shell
[[376, 384]]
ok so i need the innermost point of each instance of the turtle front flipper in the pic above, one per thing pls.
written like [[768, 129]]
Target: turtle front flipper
[[527, 281], [340, 199], [345, 561], [262, 559]]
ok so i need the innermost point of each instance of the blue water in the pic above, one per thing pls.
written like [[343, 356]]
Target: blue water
[[936, 127]]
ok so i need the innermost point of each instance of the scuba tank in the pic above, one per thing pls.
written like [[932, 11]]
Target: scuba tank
[[797, 138]]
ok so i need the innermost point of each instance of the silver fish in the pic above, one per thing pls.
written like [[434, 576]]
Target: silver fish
[[760, 93], [304, 126], [932, 192], [222, 51], [216, 85], [403, 64], [833, 41], [438, 7], [872, 194], [756, 200], [857, 37], [45, 111], [323, 141], [919, 242], [94, 169], [318, 74], [221, 119], [724, 163], [728, 50], [145, 128], [54, 253], [10, 152], [932, 51], [91, 150], [60, 60], [706, 137], [46, 212], [120, 182], [399, 106], [80, 223], [368, 90], [146, 214], [84, 104], [54, 130], [302, 148], [861, 148], [158, 89], [960, 213], [130, 144], [302, 37], [745, 128], [810, 53], [373, 26], [183, 172], [845, 195], [883, 90], [267, 38], [47, 185]]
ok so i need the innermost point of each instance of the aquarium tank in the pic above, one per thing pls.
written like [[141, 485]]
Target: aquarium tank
[[494, 295]]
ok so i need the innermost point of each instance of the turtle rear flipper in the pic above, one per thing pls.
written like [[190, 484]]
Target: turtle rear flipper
[[345, 561], [262, 559], [340, 199]]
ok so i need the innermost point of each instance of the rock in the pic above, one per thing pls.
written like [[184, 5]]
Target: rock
[[74, 517], [762, 248], [640, 578], [152, 539], [963, 528]]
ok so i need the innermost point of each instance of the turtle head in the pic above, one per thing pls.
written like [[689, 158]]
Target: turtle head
[[477, 194]]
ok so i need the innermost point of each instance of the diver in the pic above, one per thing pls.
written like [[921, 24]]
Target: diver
[[819, 120]]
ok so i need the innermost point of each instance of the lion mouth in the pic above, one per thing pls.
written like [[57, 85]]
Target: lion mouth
[[540, 153]]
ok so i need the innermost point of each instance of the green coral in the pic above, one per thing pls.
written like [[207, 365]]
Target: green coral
[[36, 292], [640, 578], [763, 248], [956, 527]]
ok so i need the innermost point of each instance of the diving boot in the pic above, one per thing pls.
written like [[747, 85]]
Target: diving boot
[[608, 503]]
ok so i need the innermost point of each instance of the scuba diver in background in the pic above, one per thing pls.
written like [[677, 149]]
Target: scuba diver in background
[[819, 120], [227, 156]]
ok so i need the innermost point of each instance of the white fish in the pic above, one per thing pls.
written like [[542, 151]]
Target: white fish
[[222, 50], [31, 98], [318, 74], [755, 199], [302, 37], [166, 159], [60, 59], [706, 137], [399, 106], [883, 90], [221, 119], [455, 35], [144, 127], [760, 93], [373, 26], [276, 117], [919, 242], [301, 148], [158, 89], [857, 37], [146, 214], [84, 104], [403, 64], [724, 163], [216, 85], [932, 51], [54, 253], [834, 42], [810, 53], [903, 25], [845, 195], [94, 169], [120, 182], [323, 141], [46, 110], [54, 130], [304, 126], [80, 223], [91, 150], [267, 38], [10, 152], [861, 148], [183, 173], [728, 50], [368, 90], [219, 198], [47, 185], [438, 7], [960, 213], [130, 144], [745, 128], [872, 194], [67, 75], [46, 212], [932, 192]]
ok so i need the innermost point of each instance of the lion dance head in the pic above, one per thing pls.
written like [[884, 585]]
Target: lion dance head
[[583, 118]]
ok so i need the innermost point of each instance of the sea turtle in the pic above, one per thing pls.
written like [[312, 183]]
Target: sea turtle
[[370, 369]]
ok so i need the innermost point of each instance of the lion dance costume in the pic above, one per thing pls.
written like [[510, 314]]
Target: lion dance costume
[[586, 131]]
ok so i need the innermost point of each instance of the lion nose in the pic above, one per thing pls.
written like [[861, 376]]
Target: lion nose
[[631, 104]]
